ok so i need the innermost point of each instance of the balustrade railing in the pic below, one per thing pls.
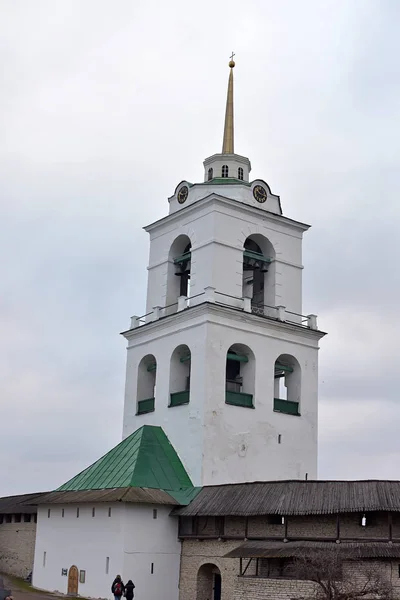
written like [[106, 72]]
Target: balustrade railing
[[211, 295]]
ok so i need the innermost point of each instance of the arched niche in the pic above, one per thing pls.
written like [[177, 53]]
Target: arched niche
[[287, 385], [178, 277], [146, 384], [179, 381], [240, 376], [259, 272]]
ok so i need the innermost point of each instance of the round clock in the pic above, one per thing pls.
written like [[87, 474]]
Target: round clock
[[183, 194], [260, 193]]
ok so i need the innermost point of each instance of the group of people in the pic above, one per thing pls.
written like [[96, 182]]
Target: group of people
[[119, 589]]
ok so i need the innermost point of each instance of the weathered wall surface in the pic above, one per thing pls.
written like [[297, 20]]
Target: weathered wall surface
[[17, 548]]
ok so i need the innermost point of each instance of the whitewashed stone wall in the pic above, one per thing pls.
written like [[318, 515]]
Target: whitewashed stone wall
[[17, 548]]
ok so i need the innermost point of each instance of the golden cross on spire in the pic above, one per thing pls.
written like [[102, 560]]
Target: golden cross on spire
[[228, 145]]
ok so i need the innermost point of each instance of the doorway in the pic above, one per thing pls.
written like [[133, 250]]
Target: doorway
[[217, 586], [209, 583], [73, 581]]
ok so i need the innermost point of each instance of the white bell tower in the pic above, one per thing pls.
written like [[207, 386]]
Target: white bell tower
[[223, 360]]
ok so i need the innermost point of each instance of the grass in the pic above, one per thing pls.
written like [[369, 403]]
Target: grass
[[24, 586]]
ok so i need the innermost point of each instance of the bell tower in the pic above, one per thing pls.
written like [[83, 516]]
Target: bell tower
[[223, 360]]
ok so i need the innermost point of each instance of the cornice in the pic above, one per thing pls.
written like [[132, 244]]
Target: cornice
[[223, 200]]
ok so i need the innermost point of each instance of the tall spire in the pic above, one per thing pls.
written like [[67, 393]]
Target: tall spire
[[228, 143]]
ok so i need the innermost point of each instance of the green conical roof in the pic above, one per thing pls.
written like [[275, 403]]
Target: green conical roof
[[144, 459]]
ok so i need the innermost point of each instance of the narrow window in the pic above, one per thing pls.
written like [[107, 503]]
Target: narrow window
[[8, 518], [152, 568], [18, 518], [35, 518], [306, 476], [210, 174], [77, 513], [62, 513], [93, 511], [363, 521], [1, 519], [225, 171], [109, 511], [240, 173], [27, 518], [399, 570], [44, 559], [82, 576], [107, 564], [279, 438], [48, 513], [154, 513]]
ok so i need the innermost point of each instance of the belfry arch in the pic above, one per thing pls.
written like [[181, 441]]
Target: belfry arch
[[179, 266], [287, 385], [259, 272]]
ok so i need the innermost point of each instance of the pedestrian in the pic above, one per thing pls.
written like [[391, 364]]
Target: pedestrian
[[118, 588], [130, 586]]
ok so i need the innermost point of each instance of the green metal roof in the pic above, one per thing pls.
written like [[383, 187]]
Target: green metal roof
[[144, 459]]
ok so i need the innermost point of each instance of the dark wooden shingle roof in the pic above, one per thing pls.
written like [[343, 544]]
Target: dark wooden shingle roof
[[353, 550], [294, 498], [24, 503]]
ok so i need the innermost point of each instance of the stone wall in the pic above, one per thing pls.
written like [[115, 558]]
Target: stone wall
[[17, 548]]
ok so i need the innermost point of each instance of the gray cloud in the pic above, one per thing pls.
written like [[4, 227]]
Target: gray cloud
[[103, 110]]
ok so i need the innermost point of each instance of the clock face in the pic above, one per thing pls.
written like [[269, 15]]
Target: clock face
[[183, 194], [260, 193]]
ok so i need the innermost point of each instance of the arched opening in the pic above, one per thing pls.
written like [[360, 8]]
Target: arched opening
[[287, 385], [146, 385], [259, 273], [179, 262], [240, 376], [225, 171], [210, 173], [179, 381], [209, 583], [240, 173]]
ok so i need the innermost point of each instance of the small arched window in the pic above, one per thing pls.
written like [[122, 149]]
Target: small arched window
[[146, 384], [225, 171], [239, 376], [287, 388], [240, 173], [210, 173], [180, 376]]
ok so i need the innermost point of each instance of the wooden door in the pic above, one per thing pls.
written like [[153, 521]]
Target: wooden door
[[73, 580]]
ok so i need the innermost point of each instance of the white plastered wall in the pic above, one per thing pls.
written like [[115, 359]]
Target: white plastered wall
[[219, 443], [131, 538]]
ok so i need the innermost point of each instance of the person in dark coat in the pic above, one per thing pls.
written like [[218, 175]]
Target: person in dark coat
[[118, 588], [130, 586]]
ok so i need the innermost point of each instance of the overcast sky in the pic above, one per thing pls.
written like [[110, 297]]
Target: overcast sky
[[104, 107]]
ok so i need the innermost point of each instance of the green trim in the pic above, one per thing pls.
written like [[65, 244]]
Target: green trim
[[239, 399], [185, 358], [256, 256], [144, 459], [182, 258], [279, 367], [237, 357], [179, 398], [288, 407], [145, 406], [152, 367], [229, 180]]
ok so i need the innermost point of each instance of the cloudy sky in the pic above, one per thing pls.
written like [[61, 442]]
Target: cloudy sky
[[104, 107]]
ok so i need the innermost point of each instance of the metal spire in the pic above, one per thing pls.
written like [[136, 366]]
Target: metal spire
[[228, 143]]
